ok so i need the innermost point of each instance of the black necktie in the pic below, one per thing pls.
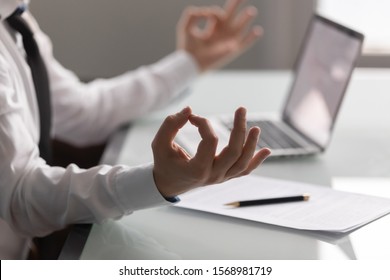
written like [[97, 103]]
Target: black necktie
[[40, 78]]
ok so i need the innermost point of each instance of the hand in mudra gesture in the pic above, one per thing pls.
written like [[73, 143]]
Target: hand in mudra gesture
[[227, 33], [176, 172]]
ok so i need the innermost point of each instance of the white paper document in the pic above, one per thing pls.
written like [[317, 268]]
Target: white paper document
[[327, 209]]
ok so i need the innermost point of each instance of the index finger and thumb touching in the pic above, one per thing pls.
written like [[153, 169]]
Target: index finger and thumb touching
[[171, 125], [208, 145]]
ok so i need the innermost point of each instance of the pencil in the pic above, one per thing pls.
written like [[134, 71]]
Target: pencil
[[304, 197]]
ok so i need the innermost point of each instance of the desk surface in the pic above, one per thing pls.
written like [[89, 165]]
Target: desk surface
[[358, 159]]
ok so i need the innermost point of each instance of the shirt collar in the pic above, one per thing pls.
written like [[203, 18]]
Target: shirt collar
[[7, 7]]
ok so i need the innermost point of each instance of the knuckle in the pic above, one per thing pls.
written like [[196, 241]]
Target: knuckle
[[215, 179], [240, 129], [235, 152], [203, 120], [200, 172], [245, 172], [213, 139], [240, 167], [154, 144], [169, 119]]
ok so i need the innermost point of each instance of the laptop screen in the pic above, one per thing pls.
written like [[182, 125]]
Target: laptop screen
[[323, 71]]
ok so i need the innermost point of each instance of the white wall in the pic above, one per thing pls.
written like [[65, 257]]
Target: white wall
[[106, 37]]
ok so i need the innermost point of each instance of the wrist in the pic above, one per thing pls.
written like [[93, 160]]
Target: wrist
[[194, 58], [161, 185]]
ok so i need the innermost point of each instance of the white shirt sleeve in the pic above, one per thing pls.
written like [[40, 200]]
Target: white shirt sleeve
[[37, 199]]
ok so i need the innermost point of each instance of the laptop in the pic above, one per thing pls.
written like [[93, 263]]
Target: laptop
[[322, 72]]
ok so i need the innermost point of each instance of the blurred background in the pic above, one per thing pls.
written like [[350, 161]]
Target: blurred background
[[102, 38]]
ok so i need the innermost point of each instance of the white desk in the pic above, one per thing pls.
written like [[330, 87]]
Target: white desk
[[359, 155]]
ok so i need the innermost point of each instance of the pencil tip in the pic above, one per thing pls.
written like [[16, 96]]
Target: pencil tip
[[306, 197], [233, 204]]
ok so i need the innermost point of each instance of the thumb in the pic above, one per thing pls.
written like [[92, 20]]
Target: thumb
[[171, 126]]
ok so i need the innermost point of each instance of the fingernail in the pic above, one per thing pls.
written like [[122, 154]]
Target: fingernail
[[242, 112], [186, 111]]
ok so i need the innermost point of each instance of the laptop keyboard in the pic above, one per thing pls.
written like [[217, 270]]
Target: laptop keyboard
[[272, 136]]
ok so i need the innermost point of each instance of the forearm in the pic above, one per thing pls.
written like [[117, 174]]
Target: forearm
[[37, 199], [89, 113], [45, 198]]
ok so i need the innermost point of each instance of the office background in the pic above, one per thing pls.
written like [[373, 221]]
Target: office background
[[102, 38]]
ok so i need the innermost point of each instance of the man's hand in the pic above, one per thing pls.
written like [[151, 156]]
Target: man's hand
[[175, 172], [227, 33]]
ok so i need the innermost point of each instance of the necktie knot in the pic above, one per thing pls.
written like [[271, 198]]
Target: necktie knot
[[40, 79], [19, 24]]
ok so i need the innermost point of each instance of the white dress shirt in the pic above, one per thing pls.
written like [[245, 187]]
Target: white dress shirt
[[36, 199]]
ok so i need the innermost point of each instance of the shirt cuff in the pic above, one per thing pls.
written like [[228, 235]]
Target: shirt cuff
[[174, 199], [136, 189]]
